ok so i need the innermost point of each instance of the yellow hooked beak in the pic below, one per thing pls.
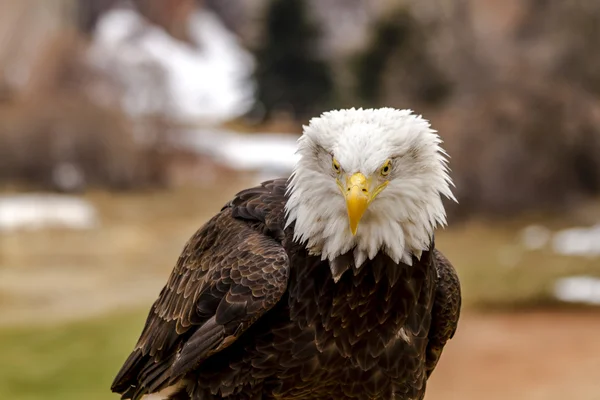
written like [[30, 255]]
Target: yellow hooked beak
[[357, 199]]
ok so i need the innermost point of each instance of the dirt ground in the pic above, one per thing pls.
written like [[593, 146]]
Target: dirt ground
[[529, 356]]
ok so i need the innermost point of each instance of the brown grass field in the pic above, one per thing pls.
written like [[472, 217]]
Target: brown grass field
[[72, 303]]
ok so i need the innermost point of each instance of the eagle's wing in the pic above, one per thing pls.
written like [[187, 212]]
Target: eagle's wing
[[445, 312], [229, 274]]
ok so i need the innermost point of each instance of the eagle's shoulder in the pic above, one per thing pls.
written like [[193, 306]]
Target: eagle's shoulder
[[263, 204]]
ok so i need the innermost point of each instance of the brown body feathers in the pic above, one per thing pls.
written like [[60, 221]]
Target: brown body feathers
[[248, 314]]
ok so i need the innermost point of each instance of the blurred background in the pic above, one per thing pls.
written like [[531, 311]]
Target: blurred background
[[124, 125]]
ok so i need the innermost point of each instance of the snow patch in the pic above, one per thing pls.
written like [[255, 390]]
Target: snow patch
[[207, 80], [37, 211], [270, 154], [578, 241], [578, 289]]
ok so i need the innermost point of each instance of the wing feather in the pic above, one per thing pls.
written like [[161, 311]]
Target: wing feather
[[227, 276], [445, 312]]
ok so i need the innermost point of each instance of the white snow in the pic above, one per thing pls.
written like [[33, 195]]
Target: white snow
[[204, 81], [271, 154], [578, 241], [578, 289], [39, 211]]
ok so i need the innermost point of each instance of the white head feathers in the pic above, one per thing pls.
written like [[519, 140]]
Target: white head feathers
[[401, 218]]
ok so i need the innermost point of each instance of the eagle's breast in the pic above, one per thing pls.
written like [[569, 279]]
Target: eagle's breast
[[366, 334]]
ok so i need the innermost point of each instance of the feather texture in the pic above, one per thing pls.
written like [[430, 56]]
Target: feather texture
[[227, 276], [247, 313]]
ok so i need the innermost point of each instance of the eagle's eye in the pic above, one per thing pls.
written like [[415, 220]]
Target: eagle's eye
[[386, 168], [336, 166]]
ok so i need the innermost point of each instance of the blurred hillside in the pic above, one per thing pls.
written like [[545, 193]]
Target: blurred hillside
[[97, 93]]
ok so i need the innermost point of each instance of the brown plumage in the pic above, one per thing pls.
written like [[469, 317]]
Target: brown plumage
[[248, 314]]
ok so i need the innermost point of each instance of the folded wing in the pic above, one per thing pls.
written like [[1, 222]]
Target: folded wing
[[231, 272]]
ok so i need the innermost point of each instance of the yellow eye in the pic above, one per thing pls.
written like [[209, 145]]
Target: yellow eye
[[336, 166], [386, 168]]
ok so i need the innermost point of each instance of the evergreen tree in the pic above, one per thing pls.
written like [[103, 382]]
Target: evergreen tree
[[395, 68], [289, 73]]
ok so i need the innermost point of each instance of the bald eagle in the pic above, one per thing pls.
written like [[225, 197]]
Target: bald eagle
[[326, 285]]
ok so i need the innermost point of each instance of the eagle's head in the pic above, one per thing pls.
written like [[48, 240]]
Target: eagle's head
[[368, 181]]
